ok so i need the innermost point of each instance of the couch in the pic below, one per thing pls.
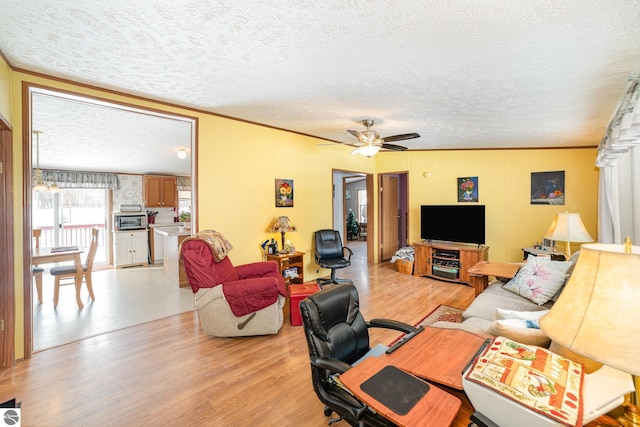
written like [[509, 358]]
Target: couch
[[511, 308]]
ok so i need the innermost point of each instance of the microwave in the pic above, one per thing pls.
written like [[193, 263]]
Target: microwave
[[130, 221]]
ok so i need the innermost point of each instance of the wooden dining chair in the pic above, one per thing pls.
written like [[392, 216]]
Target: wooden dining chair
[[69, 271], [36, 270]]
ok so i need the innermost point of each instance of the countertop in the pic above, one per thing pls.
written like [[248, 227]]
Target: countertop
[[173, 231], [166, 224]]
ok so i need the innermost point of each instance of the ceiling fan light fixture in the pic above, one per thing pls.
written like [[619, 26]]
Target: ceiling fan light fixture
[[182, 153], [368, 150]]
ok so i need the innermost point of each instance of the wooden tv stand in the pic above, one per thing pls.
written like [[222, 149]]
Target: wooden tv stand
[[449, 261]]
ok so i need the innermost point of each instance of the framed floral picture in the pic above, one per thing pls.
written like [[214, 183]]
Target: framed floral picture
[[284, 193], [468, 189]]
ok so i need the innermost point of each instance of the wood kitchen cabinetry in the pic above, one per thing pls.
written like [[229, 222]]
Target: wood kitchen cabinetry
[[160, 191], [130, 248], [449, 262]]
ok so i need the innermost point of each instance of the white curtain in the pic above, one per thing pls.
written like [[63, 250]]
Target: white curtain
[[619, 162], [619, 201]]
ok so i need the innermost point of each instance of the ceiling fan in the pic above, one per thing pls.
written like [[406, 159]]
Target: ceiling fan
[[369, 141]]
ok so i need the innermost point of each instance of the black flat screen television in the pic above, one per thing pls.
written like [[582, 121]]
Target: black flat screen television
[[453, 223]]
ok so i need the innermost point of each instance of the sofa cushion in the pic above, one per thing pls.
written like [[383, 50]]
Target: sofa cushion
[[485, 304], [515, 329], [540, 279], [521, 326], [523, 315]]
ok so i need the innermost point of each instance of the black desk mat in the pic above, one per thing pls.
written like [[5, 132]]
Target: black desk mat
[[396, 389]]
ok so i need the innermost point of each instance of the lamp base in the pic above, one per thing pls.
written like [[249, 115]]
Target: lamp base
[[567, 251], [631, 416]]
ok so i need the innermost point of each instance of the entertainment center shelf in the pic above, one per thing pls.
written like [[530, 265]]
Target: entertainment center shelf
[[449, 261]]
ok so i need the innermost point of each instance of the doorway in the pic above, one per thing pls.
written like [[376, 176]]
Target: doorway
[[91, 136], [394, 213], [352, 192]]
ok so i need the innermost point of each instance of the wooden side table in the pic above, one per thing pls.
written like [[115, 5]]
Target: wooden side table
[[544, 253], [484, 269], [285, 262]]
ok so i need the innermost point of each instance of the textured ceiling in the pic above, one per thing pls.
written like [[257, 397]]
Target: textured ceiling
[[463, 74]]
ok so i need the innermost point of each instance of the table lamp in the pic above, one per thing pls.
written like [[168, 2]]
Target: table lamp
[[282, 224], [597, 314], [568, 227]]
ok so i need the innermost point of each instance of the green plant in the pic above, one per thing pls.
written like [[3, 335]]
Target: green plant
[[352, 226], [185, 217]]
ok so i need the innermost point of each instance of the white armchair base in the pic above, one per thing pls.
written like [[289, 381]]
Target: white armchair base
[[218, 320]]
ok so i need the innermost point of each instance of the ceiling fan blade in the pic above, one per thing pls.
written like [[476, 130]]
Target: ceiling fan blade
[[393, 147], [401, 137], [355, 133]]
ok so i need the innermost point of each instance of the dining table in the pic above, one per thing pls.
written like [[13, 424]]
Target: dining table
[[49, 255]]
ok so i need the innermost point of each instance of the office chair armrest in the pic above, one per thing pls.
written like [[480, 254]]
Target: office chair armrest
[[391, 324], [348, 250], [335, 366]]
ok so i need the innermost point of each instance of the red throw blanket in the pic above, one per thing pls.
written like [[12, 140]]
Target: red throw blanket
[[249, 295]]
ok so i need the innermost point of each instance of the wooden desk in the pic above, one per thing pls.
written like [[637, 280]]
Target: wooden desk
[[436, 408], [484, 269], [45, 256], [437, 355]]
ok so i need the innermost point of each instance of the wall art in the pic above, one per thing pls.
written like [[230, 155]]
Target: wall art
[[284, 193], [468, 189], [547, 188]]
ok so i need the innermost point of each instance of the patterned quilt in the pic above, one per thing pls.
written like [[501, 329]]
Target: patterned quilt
[[535, 377]]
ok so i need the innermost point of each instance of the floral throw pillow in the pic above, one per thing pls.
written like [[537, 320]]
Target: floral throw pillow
[[539, 279]]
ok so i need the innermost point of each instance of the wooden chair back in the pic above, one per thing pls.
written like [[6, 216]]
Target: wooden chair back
[[36, 237]]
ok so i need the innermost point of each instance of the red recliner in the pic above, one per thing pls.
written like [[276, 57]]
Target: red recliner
[[233, 301]]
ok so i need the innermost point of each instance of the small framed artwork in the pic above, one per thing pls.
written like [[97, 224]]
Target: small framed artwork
[[468, 189], [284, 193], [347, 194], [548, 244], [547, 188]]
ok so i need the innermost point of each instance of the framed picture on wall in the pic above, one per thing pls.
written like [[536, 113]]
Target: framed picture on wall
[[547, 188], [284, 193], [468, 189]]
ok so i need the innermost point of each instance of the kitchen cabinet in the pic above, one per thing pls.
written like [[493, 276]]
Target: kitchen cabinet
[[160, 191], [130, 248]]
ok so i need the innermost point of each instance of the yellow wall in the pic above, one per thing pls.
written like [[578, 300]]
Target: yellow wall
[[504, 183], [237, 164]]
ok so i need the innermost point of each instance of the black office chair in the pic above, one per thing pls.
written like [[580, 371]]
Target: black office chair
[[329, 253], [337, 337]]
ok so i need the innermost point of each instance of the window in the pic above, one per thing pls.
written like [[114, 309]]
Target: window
[[362, 206]]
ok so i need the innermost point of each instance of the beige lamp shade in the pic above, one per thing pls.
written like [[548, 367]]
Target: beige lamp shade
[[598, 312], [568, 227]]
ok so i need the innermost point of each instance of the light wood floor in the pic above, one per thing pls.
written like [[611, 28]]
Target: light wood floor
[[168, 372]]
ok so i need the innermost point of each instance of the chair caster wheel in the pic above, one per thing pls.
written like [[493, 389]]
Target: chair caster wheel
[[327, 411]]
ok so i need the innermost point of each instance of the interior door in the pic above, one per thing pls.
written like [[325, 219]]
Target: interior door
[[7, 297], [389, 216]]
